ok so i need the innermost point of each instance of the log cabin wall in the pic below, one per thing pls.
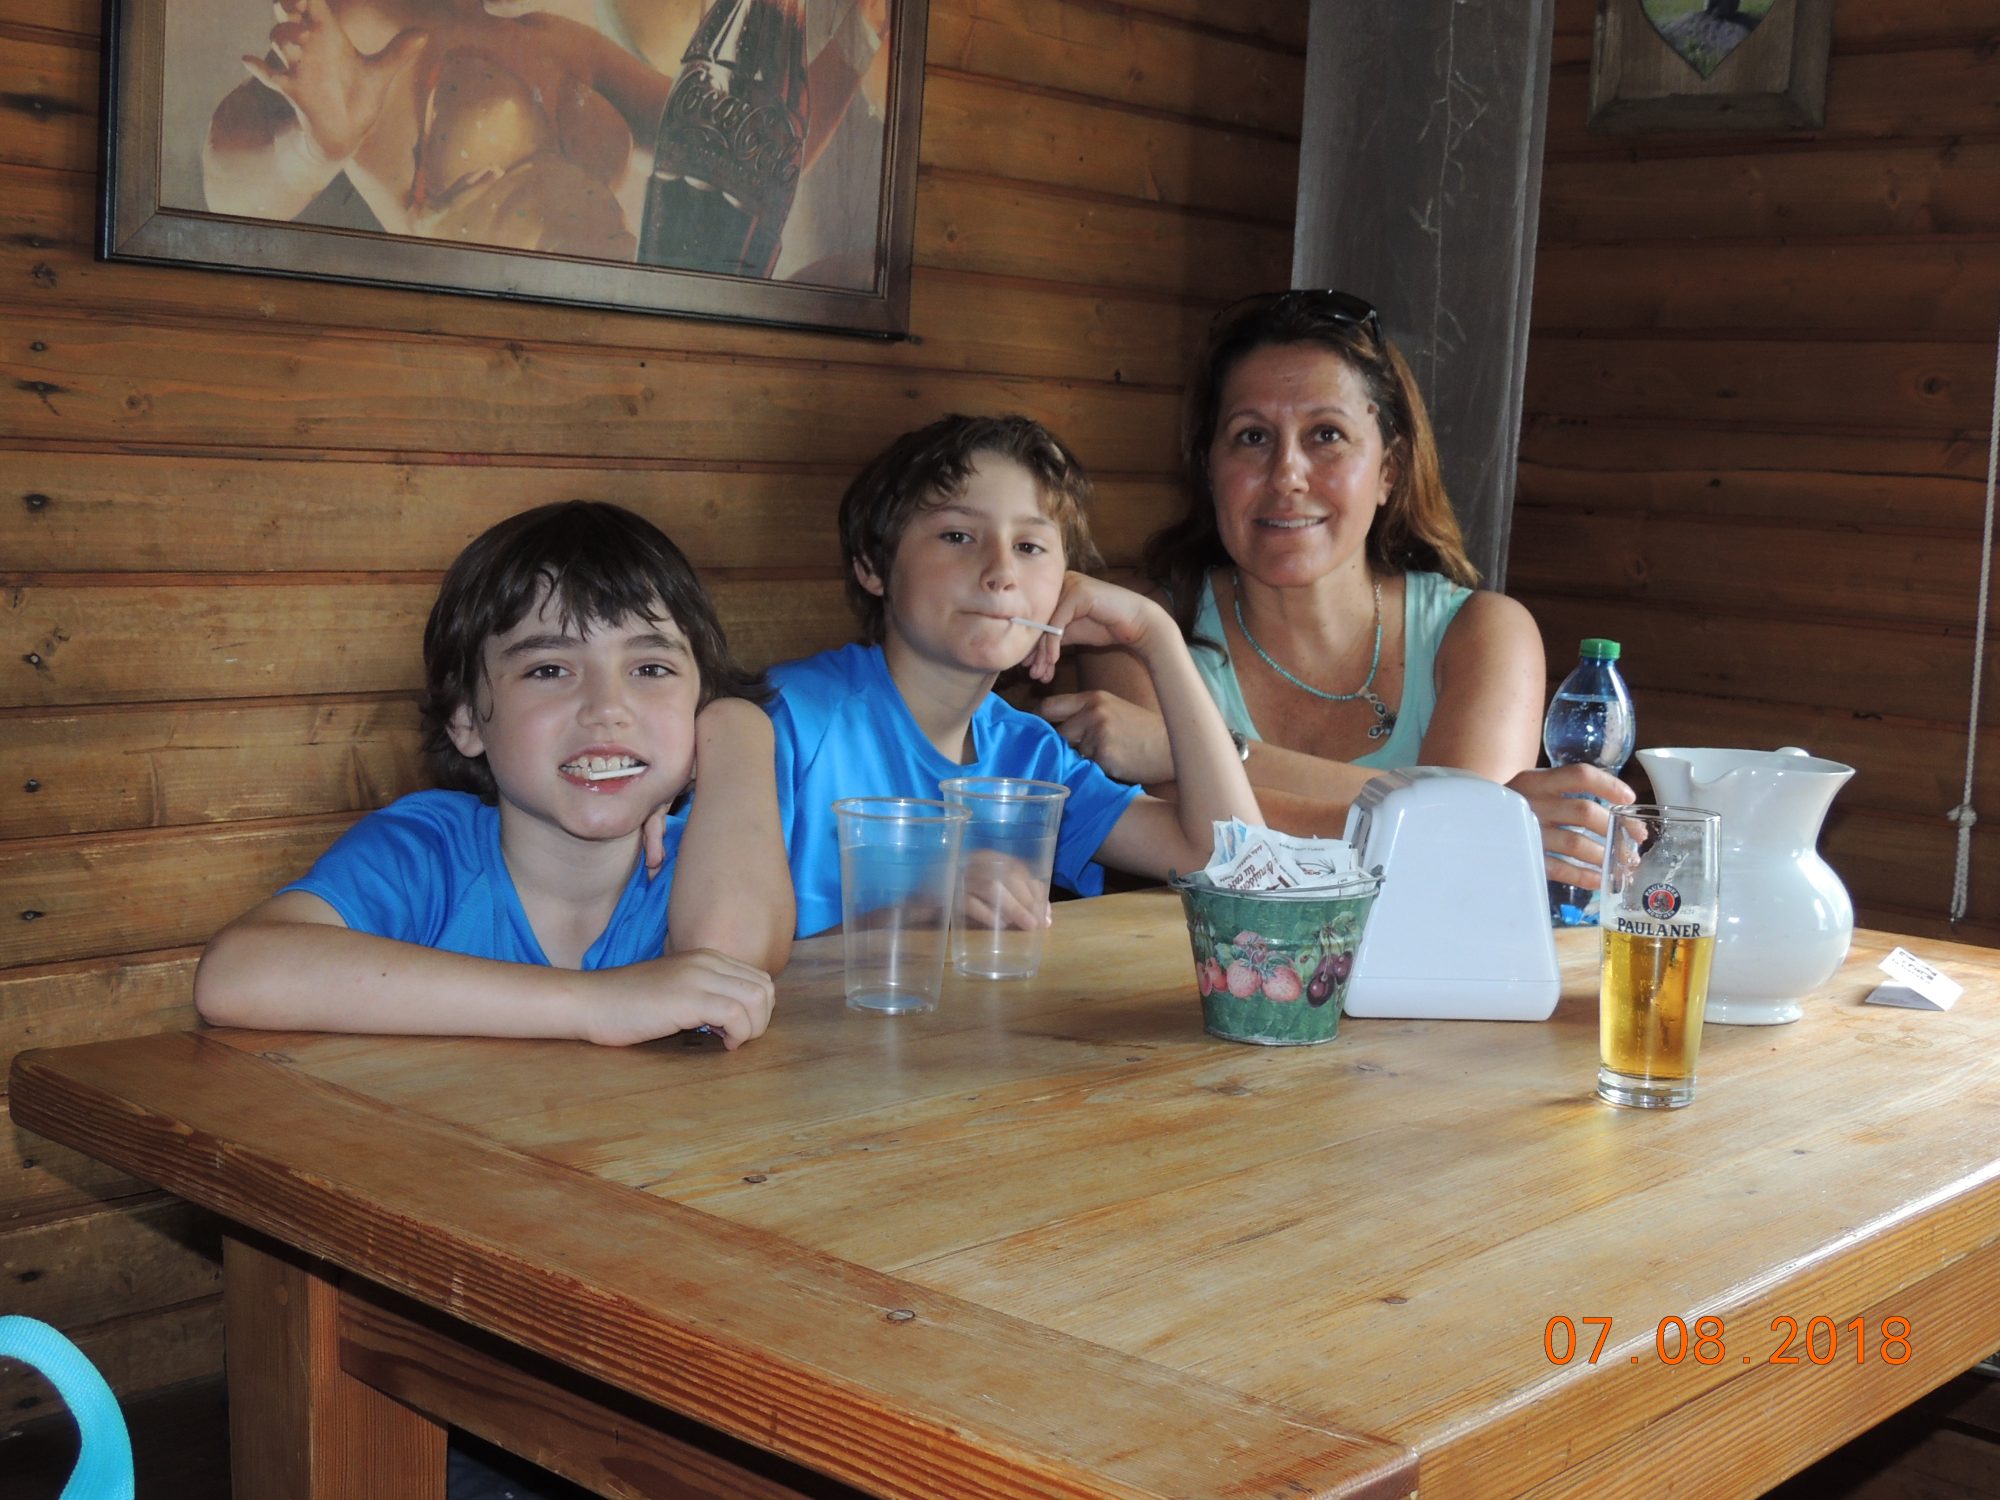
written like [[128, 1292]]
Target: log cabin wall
[[226, 501], [1759, 384]]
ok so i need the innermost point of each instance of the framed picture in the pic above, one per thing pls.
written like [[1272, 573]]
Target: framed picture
[[753, 160], [1710, 64]]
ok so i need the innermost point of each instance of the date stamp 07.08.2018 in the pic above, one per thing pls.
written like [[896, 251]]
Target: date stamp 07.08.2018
[[1816, 1341]]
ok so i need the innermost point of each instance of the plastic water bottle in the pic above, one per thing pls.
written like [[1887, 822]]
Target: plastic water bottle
[[1590, 723]]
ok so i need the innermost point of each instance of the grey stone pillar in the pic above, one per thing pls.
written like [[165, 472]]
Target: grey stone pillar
[[1420, 179]]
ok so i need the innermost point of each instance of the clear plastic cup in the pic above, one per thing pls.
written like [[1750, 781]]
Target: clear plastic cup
[[898, 872], [1000, 911]]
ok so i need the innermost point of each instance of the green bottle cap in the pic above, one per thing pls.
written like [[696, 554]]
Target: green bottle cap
[[1599, 649]]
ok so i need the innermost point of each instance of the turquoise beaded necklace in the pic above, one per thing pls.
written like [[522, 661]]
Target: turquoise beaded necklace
[[1385, 717]]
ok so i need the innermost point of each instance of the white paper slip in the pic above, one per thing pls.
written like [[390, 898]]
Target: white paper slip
[[1914, 984]]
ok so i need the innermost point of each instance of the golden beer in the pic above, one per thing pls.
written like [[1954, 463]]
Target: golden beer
[[1649, 1011]]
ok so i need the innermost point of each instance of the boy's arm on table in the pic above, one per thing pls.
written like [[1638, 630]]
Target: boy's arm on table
[[1154, 837], [292, 964], [732, 886]]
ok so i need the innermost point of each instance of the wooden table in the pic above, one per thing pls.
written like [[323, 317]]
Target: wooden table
[[1054, 1241]]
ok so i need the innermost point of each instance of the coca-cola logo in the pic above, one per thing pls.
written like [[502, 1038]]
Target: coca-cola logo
[[763, 141]]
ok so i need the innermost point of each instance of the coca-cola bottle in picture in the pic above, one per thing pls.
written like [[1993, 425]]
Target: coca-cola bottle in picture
[[731, 141]]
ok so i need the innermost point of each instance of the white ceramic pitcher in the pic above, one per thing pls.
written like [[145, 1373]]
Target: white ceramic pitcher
[[1786, 918]]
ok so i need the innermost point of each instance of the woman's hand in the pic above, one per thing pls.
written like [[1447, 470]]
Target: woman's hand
[[1554, 794], [1128, 741]]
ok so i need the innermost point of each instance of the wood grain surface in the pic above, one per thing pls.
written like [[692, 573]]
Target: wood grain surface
[[1106, 1222]]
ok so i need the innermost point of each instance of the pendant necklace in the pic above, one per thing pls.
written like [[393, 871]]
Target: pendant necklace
[[1385, 718]]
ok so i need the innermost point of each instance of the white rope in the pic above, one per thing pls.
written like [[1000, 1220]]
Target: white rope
[[1964, 815]]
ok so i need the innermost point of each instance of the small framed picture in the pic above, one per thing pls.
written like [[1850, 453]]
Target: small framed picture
[[1710, 64]]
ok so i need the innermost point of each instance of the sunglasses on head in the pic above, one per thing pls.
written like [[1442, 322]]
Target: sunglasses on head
[[1336, 307]]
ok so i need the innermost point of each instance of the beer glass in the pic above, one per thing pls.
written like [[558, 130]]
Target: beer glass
[[1662, 867]]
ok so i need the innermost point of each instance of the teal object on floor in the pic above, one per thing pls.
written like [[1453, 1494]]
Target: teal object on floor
[[104, 1461]]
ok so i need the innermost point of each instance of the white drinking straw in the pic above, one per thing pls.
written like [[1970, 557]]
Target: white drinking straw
[[1054, 630]]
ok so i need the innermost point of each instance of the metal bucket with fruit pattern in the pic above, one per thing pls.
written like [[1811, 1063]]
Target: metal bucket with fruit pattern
[[1271, 966]]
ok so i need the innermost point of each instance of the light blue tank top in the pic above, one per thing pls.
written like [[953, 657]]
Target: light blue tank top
[[1431, 602]]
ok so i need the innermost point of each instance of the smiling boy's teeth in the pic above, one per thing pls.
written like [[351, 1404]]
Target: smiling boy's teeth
[[604, 767]]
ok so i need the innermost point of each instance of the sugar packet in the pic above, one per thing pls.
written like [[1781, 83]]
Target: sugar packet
[[1263, 859]]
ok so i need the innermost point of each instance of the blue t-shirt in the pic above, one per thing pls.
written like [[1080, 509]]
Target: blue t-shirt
[[843, 730], [428, 869]]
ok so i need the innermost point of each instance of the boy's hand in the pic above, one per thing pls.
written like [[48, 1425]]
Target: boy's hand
[[1091, 612], [653, 840], [1128, 741], [642, 1002], [1001, 893]]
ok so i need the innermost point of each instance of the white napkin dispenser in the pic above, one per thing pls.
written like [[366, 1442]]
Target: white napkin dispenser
[[1461, 929]]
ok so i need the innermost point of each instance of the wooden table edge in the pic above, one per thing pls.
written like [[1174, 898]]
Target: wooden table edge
[[875, 1363]]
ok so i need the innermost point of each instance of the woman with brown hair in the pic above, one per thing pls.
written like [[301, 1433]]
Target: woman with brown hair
[[1321, 579]]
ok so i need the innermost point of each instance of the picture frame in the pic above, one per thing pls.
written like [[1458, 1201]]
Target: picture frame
[[467, 179], [1710, 65]]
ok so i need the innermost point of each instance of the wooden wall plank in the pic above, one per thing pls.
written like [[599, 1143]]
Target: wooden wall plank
[[971, 125], [1950, 188], [1624, 448], [1901, 765], [1907, 673], [137, 1258], [132, 892], [1280, 21], [1815, 496], [38, 1178], [48, 101], [1123, 54], [1945, 289], [78, 17], [109, 512], [1855, 575], [135, 1355], [1881, 386], [151, 643], [1004, 230], [104, 769], [1908, 862], [960, 320], [95, 1000], [77, 380], [89, 1000]]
